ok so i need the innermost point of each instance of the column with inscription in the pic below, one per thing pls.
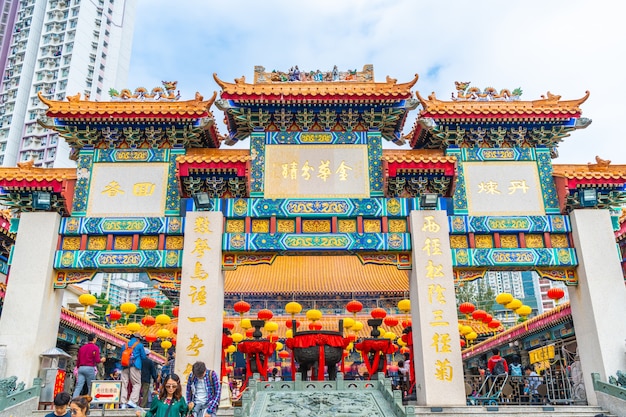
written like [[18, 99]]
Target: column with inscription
[[436, 344], [201, 294]]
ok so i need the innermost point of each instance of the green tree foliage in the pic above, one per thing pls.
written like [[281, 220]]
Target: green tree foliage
[[477, 292]]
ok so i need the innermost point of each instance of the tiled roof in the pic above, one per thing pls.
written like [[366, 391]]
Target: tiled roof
[[316, 90], [422, 155], [479, 327], [316, 275], [75, 107], [27, 172], [598, 171], [207, 155], [552, 105]]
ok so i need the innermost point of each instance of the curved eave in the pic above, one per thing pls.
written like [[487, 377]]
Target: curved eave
[[53, 179], [208, 160], [515, 110], [591, 175], [332, 92], [99, 110]]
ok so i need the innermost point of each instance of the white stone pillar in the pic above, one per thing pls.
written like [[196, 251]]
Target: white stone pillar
[[32, 308], [201, 294], [599, 300], [436, 345]]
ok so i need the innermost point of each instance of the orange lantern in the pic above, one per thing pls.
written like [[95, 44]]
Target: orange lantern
[[404, 349], [378, 313], [479, 315], [148, 321], [283, 354], [150, 338], [556, 294], [114, 315], [354, 307], [241, 307], [265, 314], [391, 321], [147, 303], [467, 308]]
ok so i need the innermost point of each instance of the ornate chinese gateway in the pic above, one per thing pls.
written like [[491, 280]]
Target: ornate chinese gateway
[[318, 209]]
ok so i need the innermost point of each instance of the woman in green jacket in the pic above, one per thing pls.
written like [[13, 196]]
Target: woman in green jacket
[[170, 402]]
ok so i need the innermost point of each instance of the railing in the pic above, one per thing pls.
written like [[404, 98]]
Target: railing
[[554, 388], [606, 388], [9, 399]]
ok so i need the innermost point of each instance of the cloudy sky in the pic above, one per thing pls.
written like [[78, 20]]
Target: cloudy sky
[[562, 46]]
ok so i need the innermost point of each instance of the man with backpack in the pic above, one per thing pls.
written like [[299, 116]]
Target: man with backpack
[[497, 365], [203, 391], [133, 353]]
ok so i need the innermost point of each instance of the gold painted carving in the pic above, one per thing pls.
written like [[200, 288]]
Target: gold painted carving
[[285, 226], [508, 241], [71, 243], [316, 226], [149, 243], [347, 226], [397, 226], [483, 241], [97, 243], [458, 242], [371, 226], [123, 243], [534, 241], [260, 226], [559, 241], [174, 242], [235, 226]]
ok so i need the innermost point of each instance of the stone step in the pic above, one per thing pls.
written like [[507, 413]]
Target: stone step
[[512, 411], [97, 412]]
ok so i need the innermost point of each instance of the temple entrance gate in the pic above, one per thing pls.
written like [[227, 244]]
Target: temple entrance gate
[[317, 180]]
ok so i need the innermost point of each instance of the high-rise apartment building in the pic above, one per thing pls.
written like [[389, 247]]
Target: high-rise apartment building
[[58, 48]]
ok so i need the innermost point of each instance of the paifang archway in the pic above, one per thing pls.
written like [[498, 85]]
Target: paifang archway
[[475, 191]]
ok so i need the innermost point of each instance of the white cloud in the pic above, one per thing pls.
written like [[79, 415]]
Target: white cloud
[[566, 47]]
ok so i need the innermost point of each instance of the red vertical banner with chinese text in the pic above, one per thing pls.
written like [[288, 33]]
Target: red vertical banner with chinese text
[[437, 361]]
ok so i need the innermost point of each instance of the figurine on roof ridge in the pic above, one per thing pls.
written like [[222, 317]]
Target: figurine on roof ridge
[[168, 93], [296, 75]]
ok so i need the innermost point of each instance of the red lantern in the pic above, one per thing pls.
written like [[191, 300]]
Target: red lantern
[[391, 321], [467, 308], [241, 307], [351, 337], [345, 354], [556, 293], [378, 313], [173, 340], [462, 343], [494, 324], [249, 332], [175, 311], [315, 326], [406, 323], [147, 303], [479, 315], [150, 338], [228, 325], [487, 319], [283, 354], [404, 349], [114, 315], [354, 306], [148, 321], [265, 314], [289, 324]]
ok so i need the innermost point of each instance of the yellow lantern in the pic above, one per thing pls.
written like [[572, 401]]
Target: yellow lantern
[[245, 324], [231, 349], [514, 304], [289, 334], [279, 346], [389, 335], [237, 337], [87, 300], [400, 342], [350, 346], [162, 319], [504, 298], [163, 333], [471, 336], [271, 326], [358, 326], [524, 311], [404, 306], [133, 327], [314, 315], [348, 323], [128, 308], [465, 330], [293, 308]]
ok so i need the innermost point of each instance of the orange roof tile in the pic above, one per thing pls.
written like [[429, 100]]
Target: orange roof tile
[[206, 155], [422, 155], [546, 106], [318, 90], [26, 171], [316, 275], [602, 170], [74, 106]]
